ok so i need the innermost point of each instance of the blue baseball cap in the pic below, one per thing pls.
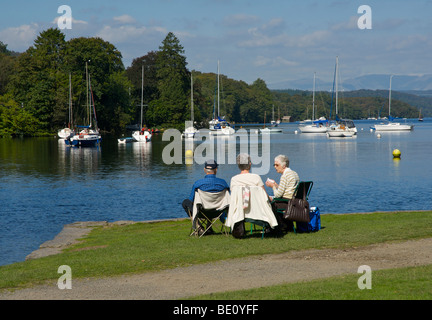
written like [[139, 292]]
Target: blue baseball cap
[[211, 164]]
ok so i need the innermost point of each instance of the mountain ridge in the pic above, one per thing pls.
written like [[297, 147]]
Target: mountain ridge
[[369, 82]]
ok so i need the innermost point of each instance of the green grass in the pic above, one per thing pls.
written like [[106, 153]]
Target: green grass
[[147, 247], [412, 283]]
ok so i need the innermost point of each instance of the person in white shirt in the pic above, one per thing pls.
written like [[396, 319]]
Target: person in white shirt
[[249, 199]]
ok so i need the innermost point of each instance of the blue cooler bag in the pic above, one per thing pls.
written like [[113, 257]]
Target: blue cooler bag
[[313, 225]]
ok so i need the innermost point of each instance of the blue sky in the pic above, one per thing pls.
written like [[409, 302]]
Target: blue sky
[[275, 40]]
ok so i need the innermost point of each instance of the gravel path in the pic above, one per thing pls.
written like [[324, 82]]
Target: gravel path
[[236, 274]]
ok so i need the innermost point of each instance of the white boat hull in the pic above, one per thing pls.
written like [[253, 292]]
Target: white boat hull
[[312, 129], [190, 132], [66, 133], [223, 131], [339, 133], [145, 137], [393, 126], [91, 139], [270, 130]]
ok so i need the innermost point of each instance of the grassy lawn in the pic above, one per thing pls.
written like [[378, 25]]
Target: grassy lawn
[[146, 247], [412, 283]]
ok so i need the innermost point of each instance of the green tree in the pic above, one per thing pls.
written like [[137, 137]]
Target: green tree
[[260, 102], [110, 87], [151, 92], [15, 120], [173, 84], [7, 60], [38, 82]]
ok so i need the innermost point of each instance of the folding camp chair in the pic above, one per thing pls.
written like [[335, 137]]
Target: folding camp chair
[[209, 208], [302, 191], [263, 224], [256, 211]]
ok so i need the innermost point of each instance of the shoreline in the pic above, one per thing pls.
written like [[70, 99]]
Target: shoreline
[[73, 232]]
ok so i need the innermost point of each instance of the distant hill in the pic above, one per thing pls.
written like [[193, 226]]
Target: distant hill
[[421, 100], [371, 82]]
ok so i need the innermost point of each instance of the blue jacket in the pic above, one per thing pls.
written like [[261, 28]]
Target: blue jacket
[[210, 183]]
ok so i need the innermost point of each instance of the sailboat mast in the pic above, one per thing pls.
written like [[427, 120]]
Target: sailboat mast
[[87, 93], [70, 103], [218, 88], [337, 71], [192, 105], [142, 94], [391, 76], [90, 105], [273, 113], [313, 99]]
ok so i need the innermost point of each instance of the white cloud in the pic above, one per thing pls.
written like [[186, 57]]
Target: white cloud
[[312, 39], [346, 25], [127, 33], [125, 19], [238, 20], [20, 38], [278, 61]]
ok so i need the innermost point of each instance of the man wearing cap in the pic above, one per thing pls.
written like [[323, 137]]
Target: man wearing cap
[[210, 183]]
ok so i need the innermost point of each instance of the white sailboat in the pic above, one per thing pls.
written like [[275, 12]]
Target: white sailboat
[[317, 126], [269, 130], [68, 132], [390, 125], [142, 135], [89, 136], [343, 127], [190, 130], [274, 123], [219, 125]]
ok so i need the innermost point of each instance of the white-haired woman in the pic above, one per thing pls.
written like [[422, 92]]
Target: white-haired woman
[[286, 187]]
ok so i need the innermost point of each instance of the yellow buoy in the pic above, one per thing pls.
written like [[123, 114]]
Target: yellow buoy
[[189, 153], [396, 153]]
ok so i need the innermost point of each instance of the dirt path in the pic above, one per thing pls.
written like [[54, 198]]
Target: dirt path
[[237, 273]]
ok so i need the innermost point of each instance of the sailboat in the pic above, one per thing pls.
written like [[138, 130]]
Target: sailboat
[[219, 125], [317, 126], [343, 127], [390, 125], [191, 131], [88, 136], [68, 132], [274, 123], [269, 130], [420, 116], [142, 135]]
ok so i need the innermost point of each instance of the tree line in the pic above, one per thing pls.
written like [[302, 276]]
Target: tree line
[[36, 86]]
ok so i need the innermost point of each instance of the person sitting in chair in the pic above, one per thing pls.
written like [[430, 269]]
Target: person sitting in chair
[[210, 183], [244, 187], [285, 189]]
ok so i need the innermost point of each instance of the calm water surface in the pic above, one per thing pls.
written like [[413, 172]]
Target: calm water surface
[[45, 185]]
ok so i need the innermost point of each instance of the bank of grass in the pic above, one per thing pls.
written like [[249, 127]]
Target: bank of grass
[[147, 247], [413, 283]]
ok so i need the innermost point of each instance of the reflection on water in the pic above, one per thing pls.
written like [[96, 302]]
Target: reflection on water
[[45, 184]]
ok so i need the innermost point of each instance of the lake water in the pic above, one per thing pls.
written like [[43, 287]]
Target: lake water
[[45, 185]]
